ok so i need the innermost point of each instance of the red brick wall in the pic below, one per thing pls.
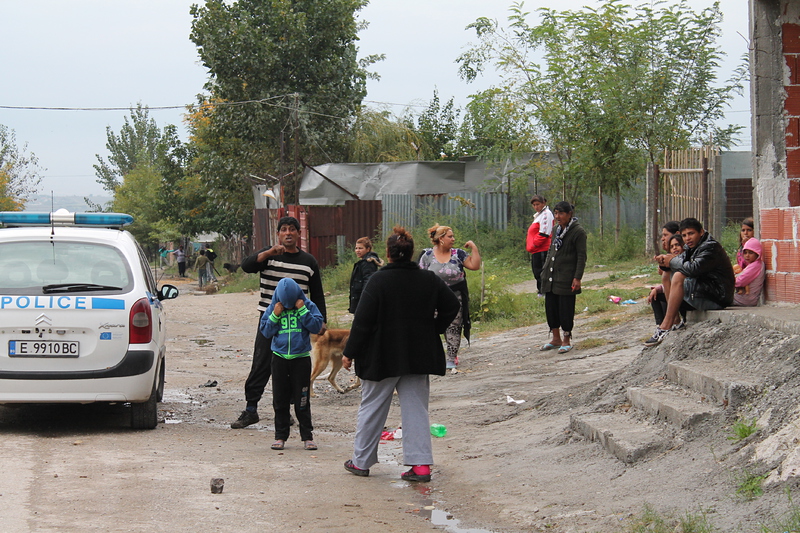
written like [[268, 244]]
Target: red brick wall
[[780, 227], [779, 236], [790, 36]]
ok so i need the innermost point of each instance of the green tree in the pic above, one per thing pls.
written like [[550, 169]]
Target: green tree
[[19, 172], [283, 76], [379, 137], [141, 195], [139, 141], [612, 81], [438, 128], [496, 126]]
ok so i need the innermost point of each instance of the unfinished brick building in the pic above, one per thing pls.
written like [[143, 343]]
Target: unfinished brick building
[[775, 98]]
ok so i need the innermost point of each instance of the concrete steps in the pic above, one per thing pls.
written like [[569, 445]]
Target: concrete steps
[[695, 392], [627, 441]]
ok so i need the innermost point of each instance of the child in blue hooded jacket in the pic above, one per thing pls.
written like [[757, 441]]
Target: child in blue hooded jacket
[[289, 320]]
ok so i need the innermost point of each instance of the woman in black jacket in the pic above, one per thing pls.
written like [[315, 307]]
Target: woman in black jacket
[[395, 343], [367, 264], [561, 279]]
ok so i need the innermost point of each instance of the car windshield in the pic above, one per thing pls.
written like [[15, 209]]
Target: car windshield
[[42, 267]]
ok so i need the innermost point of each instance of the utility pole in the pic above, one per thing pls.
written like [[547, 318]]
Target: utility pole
[[297, 174]]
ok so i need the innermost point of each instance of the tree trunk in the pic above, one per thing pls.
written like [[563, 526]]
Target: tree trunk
[[600, 206], [619, 218]]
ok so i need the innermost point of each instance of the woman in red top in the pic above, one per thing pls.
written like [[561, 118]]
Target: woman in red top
[[538, 241]]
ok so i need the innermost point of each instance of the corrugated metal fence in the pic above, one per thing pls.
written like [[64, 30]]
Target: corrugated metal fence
[[327, 230], [404, 209]]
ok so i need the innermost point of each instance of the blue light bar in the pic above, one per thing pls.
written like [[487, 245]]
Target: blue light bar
[[11, 218], [103, 219], [62, 217]]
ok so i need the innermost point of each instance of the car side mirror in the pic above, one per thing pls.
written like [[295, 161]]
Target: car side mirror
[[168, 292]]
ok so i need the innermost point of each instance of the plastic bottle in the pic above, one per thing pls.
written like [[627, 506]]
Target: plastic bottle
[[438, 430]]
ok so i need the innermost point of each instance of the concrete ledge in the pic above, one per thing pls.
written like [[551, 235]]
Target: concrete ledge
[[683, 409], [714, 379], [624, 438], [778, 318]]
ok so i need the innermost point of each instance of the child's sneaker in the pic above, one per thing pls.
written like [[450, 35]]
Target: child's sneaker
[[657, 337]]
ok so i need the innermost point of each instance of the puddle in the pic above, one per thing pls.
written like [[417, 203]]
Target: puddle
[[176, 396], [391, 451], [203, 342], [442, 518]]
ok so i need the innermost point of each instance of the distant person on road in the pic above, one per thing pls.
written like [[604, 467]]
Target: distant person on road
[[211, 255], [284, 260], [561, 278], [395, 343], [538, 241], [290, 320], [750, 281], [200, 265], [180, 257], [368, 263], [702, 277], [449, 263], [163, 253]]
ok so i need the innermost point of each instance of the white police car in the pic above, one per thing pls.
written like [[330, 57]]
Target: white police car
[[81, 318]]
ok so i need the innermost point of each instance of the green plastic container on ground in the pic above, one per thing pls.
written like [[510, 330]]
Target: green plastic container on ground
[[438, 430]]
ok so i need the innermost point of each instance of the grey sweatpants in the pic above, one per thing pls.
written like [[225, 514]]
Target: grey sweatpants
[[413, 390]]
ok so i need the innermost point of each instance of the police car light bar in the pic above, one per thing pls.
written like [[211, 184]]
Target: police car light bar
[[62, 217]]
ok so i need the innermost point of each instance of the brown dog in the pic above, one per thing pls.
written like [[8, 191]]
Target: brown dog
[[328, 348]]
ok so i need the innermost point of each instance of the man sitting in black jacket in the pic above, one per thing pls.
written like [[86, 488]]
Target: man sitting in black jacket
[[703, 277]]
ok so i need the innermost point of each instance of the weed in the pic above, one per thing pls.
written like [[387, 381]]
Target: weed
[[650, 521], [742, 429], [749, 485], [593, 342], [787, 522], [240, 282]]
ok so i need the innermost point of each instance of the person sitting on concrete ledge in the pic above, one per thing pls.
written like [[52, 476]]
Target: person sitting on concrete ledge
[[702, 277], [750, 281]]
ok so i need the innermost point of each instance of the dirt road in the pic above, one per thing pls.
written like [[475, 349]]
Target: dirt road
[[508, 462]]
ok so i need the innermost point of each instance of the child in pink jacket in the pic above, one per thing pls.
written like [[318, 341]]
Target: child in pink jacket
[[750, 281]]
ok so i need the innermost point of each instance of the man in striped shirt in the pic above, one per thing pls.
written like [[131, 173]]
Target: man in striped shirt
[[284, 260]]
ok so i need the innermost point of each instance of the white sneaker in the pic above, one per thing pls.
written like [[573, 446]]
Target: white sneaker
[[657, 337]]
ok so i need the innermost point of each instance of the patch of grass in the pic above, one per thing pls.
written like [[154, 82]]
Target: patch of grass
[[742, 429], [506, 311], [609, 249], [788, 521], [651, 521], [596, 301], [592, 342], [239, 282], [749, 485], [606, 322]]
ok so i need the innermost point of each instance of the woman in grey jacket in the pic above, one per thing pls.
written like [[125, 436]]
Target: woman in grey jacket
[[561, 279]]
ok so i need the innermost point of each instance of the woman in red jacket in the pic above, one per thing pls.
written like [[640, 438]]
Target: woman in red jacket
[[538, 241]]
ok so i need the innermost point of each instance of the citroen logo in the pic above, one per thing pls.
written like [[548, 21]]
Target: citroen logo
[[43, 319]]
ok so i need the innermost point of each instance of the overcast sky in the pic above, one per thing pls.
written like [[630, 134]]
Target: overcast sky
[[116, 53]]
